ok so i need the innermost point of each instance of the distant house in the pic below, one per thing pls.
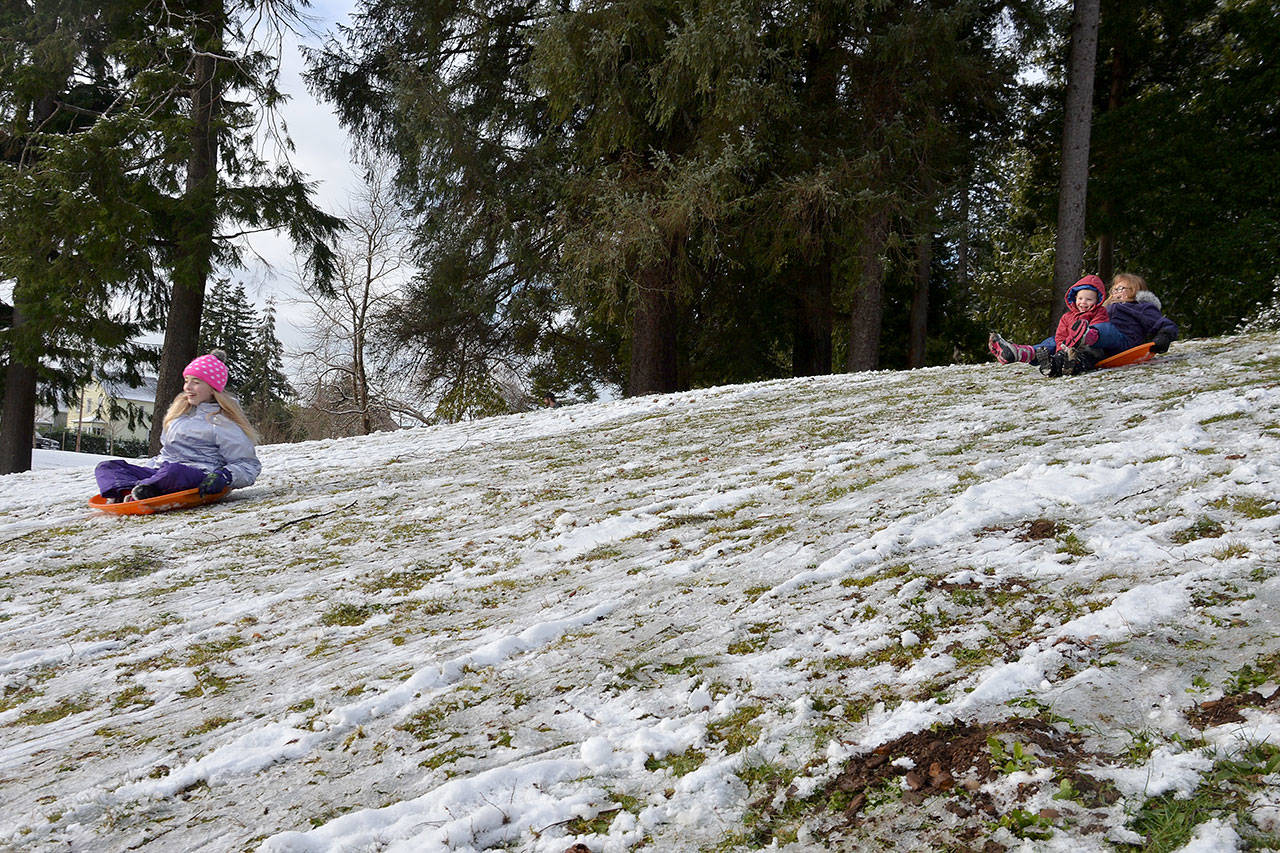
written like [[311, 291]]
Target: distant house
[[114, 410], [49, 419]]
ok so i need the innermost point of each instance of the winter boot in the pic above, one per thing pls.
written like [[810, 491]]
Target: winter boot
[[1006, 352], [142, 491], [1058, 363], [1086, 359], [1043, 359]]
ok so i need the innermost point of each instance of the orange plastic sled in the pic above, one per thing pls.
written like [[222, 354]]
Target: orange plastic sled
[[1136, 355], [160, 503]]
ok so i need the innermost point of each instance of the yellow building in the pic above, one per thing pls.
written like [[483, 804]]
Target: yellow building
[[114, 410]]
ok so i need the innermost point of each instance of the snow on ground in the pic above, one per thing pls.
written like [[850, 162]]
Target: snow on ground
[[42, 460], [673, 623]]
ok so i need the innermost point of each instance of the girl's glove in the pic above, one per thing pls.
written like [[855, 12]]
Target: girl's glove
[[1161, 341], [214, 482]]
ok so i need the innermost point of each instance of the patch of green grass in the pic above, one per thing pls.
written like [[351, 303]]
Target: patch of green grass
[[1230, 551], [208, 683], [446, 756], [347, 615], [203, 653], [748, 646], [601, 552], [424, 725], [1069, 543], [208, 725], [966, 597], [679, 764], [767, 826], [64, 708], [1263, 669], [1203, 528], [403, 581], [1225, 792], [15, 694], [1144, 742], [1025, 824], [1249, 506], [691, 665], [132, 696], [140, 563], [972, 659], [894, 571], [1229, 416], [1010, 758], [737, 731]]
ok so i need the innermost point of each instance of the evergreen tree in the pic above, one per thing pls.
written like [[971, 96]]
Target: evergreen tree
[[225, 72], [1203, 226], [265, 390], [128, 137], [1177, 84], [231, 324], [78, 207], [690, 184]]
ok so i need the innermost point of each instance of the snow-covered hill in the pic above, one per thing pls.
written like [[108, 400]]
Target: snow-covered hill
[[919, 610]]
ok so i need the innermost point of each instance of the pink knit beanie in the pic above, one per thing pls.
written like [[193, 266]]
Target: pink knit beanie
[[209, 368]]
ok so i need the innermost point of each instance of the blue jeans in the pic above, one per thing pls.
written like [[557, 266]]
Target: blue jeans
[[1110, 341]]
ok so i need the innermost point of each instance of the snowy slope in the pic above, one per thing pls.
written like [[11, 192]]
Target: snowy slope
[[678, 623]]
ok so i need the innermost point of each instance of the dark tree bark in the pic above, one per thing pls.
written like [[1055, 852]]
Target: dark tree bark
[[18, 413], [811, 341], [200, 200], [654, 320], [866, 308], [1107, 240], [918, 325], [814, 320], [17, 418], [1068, 260]]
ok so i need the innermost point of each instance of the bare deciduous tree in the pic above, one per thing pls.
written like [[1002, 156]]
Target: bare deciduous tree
[[347, 381]]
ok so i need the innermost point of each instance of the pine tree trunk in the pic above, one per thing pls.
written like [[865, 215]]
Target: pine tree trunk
[[1107, 241], [1068, 258], [654, 364], [866, 308], [918, 328], [17, 418], [199, 205], [1106, 249], [814, 320], [18, 413]]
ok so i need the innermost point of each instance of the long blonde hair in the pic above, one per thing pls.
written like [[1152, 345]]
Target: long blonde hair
[[230, 407], [1138, 282]]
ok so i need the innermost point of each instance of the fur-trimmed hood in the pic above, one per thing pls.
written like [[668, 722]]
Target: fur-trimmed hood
[[1150, 298]]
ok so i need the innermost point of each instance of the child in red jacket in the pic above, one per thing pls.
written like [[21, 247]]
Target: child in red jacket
[[1084, 308]]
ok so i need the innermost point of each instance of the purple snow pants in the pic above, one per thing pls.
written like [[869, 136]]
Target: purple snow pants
[[117, 477]]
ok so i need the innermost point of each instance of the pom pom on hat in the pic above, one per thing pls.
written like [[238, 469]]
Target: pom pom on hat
[[210, 369]]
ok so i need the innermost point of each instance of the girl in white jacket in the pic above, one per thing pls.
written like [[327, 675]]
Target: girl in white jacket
[[207, 442]]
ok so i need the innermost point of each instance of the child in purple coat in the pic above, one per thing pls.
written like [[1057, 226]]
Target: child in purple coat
[[1134, 317]]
